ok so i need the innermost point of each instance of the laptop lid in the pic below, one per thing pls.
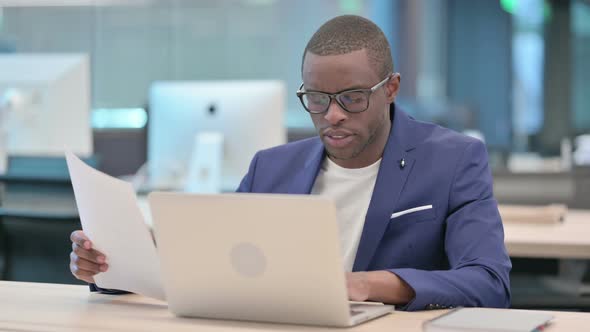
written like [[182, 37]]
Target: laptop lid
[[257, 257]]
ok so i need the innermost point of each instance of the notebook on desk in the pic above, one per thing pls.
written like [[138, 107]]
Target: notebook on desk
[[488, 320], [259, 257]]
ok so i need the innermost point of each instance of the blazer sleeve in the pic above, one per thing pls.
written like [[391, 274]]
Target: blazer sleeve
[[248, 180], [474, 244]]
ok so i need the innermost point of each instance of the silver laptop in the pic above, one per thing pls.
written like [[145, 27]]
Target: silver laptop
[[272, 258]]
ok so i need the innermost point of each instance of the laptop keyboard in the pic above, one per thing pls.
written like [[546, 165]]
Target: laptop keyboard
[[356, 309]]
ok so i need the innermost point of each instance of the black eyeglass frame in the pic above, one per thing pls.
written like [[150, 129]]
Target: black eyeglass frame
[[336, 96]]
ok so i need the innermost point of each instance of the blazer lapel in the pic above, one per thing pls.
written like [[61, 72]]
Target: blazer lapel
[[304, 179], [388, 187]]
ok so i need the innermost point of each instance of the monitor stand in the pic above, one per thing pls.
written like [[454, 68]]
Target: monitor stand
[[205, 166], [3, 148]]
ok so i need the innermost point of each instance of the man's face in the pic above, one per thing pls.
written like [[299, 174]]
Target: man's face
[[351, 139]]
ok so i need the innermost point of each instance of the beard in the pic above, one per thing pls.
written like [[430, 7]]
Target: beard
[[358, 148]]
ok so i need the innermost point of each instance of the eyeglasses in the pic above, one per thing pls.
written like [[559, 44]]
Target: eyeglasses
[[352, 101]]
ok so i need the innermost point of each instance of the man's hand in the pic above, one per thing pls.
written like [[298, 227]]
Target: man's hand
[[85, 262], [379, 286], [358, 286]]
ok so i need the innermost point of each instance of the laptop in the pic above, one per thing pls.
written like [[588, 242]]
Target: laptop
[[257, 257]]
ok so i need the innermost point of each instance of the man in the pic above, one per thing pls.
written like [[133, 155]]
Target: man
[[419, 225]]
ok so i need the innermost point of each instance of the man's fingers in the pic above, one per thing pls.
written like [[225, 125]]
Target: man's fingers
[[85, 262], [80, 239], [92, 255], [87, 265], [82, 274], [357, 286]]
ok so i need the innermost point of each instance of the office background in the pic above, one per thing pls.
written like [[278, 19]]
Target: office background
[[511, 71]]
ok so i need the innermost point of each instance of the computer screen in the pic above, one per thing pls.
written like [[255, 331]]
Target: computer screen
[[188, 118], [45, 104]]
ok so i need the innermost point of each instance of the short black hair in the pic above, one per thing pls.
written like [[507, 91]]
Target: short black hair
[[348, 33]]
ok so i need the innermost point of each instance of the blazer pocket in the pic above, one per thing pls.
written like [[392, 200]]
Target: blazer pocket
[[417, 214]]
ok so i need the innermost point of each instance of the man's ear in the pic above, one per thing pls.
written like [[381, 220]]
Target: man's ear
[[392, 87]]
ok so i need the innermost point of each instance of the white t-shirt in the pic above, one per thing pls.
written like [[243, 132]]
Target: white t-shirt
[[351, 189]]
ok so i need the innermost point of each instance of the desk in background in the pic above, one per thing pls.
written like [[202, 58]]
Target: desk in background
[[535, 285], [35, 224], [571, 188], [50, 307], [570, 239], [37, 214]]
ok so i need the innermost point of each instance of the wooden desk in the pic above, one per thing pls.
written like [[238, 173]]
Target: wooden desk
[[52, 307], [570, 239]]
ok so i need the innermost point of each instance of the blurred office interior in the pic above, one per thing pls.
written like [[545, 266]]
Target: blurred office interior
[[512, 72]]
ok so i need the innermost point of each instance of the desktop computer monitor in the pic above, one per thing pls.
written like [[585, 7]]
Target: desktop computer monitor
[[202, 135], [44, 105]]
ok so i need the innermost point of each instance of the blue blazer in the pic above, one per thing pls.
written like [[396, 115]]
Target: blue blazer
[[451, 255]]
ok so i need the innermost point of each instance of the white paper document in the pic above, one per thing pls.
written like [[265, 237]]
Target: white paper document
[[112, 220]]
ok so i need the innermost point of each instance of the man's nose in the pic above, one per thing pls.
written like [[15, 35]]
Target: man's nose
[[335, 113]]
